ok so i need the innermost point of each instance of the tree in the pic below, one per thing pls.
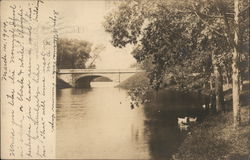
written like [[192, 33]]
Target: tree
[[95, 54], [178, 37], [169, 35], [72, 53], [236, 26], [154, 28], [235, 67]]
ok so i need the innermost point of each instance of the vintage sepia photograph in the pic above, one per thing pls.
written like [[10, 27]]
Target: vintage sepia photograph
[[143, 79], [125, 79]]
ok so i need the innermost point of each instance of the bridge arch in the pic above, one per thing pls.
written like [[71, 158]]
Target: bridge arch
[[85, 80], [75, 77]]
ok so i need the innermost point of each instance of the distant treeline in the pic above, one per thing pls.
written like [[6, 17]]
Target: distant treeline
[[72, 53]]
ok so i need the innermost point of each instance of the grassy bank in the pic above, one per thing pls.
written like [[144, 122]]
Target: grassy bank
[[216, 139], [137, 80], [141, 80]]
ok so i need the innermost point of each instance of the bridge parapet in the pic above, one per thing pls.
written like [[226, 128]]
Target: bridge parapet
[[98, 71], [83, 77]]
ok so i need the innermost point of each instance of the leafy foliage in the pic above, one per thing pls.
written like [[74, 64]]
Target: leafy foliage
[[186, 38], [72, 53]]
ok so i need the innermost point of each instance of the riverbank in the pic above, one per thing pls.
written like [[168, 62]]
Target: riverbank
[[140, 80], [215, 138], [137, 80]]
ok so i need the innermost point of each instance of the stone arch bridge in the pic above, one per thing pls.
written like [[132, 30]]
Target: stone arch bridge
[[81, 78]]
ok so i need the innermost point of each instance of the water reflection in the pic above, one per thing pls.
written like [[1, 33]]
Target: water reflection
[[162, 114], [99, 123]]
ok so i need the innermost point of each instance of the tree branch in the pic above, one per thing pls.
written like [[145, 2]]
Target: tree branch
[[245, 9], [228, 28], [204, 21], [210, 16]]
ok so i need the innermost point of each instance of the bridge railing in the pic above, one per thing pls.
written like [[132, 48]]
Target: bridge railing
[[70, 71]]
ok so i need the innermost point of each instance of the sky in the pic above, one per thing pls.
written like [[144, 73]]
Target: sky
[[83, 20]]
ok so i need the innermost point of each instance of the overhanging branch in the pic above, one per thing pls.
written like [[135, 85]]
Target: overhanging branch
[[204, 21]]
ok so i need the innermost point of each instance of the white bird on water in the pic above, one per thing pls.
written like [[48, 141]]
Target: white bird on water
[[186, 120]]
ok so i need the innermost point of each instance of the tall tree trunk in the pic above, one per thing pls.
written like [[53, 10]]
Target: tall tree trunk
[[235, 68], [212, 90], [240, 81], [240, 73], [229, 79], [219, 89], [228, 75]]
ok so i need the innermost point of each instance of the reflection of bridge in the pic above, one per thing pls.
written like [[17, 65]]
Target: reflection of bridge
[[81, 78]]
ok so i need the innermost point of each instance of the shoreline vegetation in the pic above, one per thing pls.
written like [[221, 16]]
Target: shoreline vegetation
[[200, 45], [215, 137]]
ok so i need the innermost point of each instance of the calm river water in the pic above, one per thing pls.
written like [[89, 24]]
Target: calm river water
[[99, 123]]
